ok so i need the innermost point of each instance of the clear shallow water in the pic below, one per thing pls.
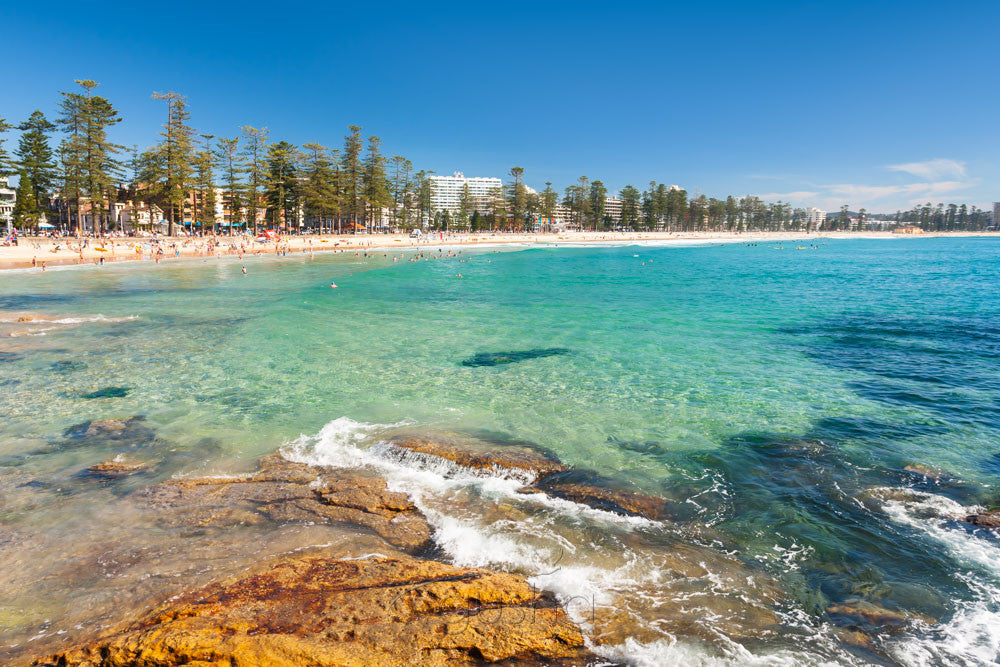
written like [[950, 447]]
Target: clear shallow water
[[774, 396]]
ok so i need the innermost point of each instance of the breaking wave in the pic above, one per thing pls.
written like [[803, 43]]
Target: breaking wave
[[637, 601], [972, 635]]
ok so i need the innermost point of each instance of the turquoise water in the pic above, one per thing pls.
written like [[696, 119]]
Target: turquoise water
[[775, 396]]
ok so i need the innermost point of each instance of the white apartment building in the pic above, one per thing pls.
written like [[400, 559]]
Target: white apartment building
[[815, 218], [7, 197], [613, 208], [447, 191]]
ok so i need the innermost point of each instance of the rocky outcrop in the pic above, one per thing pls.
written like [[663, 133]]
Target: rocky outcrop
[[548, 474], [988, 519], [283, 491], [509, 457], [577, 488], [314, 610]]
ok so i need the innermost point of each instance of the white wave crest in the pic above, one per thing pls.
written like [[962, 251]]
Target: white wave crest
[[462, 506]]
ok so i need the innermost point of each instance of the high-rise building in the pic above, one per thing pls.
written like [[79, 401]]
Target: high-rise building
[[996, 214], [613, 208], [447, 191], [815, 218]]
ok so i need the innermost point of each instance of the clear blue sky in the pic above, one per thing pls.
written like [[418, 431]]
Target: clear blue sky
[[876, 104]]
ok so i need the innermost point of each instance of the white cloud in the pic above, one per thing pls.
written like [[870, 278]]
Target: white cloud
[[932, 169], [935, 180], [858, 195], [867, 192]]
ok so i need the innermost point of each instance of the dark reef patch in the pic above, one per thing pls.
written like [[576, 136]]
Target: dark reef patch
[[66, 366], [647, 447], [512, 357], [108, 392]]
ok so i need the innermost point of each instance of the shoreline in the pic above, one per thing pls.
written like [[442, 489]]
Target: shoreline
[[63, 253]]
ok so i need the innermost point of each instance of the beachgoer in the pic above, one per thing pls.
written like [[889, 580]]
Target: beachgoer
[[244, 270]]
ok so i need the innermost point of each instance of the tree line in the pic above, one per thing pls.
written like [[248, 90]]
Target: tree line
[[352, 188], [261, 182]]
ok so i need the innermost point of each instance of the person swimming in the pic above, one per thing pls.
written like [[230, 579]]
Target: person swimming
[[333, 284]]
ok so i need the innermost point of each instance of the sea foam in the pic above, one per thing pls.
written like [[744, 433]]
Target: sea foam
[[972, 635], [548, 545]]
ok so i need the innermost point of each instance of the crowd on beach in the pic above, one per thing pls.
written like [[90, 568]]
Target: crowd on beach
[[38, 252]]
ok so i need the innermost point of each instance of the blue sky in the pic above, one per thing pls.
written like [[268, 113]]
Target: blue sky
[[875, 104]]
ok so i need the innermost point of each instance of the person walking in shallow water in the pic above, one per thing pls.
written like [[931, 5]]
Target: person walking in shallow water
[[244, 271]]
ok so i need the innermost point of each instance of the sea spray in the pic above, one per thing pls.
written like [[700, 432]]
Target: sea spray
[[597, 563], [972, 634]]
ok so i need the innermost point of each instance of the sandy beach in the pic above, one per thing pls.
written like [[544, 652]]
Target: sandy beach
[[34, 252]]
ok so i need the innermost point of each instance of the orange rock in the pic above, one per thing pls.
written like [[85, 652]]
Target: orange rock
[[313, 610], [464, 453]]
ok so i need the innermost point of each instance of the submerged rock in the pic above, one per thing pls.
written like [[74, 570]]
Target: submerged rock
[[108, 392], [116, 468], [283, 491], [464, 454], [869, 618], [133, 429], [512, 357], [647, 447], [928, 472], [314, 610]]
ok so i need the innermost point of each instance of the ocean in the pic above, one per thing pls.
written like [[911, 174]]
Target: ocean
[[818, 415]]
